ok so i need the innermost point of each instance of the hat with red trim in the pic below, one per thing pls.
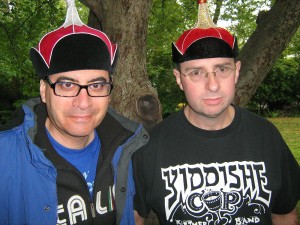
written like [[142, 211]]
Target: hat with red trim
[[73, 46], [205, 40]]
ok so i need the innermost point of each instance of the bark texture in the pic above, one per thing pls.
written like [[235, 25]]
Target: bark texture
[[125, 22], [275, 29]]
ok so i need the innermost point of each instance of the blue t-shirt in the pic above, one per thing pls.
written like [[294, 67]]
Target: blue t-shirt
[[85, 160]]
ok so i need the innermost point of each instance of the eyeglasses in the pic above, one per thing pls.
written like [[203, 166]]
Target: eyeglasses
[[198, 75], [69, 89]]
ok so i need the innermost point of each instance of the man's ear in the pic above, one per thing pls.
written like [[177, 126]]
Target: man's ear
[[237, 70], [176, 73], [43, 90]]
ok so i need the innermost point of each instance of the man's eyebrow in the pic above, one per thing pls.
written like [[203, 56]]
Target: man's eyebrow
[[194, 68], [65, 78], [98, 79], [190, 68], [224, 64]]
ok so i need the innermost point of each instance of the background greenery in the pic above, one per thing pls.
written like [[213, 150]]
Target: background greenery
[[23, 23], [290, 131]]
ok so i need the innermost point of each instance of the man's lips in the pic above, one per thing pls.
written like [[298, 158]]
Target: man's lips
[[213, 101], [81, 118]]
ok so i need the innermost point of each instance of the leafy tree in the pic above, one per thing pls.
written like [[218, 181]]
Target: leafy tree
[[22, 25], [24, 22], [279, 92], [274, 30], [164, 17]]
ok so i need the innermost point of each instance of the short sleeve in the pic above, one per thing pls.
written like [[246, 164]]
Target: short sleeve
[[289, 193], [140, 204]]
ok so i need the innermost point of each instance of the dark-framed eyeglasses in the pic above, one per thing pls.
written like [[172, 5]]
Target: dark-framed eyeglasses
[[70, 89], [198, 75]]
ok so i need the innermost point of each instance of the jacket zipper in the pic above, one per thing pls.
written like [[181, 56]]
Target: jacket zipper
[[92, 206], [93, 210]]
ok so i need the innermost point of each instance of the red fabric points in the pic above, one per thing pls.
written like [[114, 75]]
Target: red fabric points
[[192, 35], [48, 42]]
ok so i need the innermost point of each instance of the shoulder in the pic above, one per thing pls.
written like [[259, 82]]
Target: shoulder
[[21, 115], [261, 129], [122, 120], [167, 126], [9, 138], [13, 136], [252, 120], [164, 132], [116, 125], [18, 118], [11, 150]]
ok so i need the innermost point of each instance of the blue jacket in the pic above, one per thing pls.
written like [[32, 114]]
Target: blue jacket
[[28, 191]]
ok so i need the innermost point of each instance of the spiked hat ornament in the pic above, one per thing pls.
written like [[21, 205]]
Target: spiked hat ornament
[[205, 40], [73, 46]]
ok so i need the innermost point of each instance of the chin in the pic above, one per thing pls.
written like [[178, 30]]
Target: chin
[[80, 131]]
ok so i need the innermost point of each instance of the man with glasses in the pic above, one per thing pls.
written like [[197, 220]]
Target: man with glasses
[[67, 159], [214, 162]]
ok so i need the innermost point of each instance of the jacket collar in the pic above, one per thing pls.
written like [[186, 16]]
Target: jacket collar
[[110, 131]]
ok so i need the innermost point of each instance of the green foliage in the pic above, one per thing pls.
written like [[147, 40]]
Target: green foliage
[[22, 24], [279, 94], [240, 16], [168, 19], [279, 89]]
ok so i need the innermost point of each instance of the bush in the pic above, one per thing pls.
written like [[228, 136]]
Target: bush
[[279, 93]]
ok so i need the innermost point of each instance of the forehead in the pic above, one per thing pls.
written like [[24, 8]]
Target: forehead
[[206, 63], [82, 75]]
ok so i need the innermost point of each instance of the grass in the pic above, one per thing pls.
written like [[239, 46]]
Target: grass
[[289, 128]]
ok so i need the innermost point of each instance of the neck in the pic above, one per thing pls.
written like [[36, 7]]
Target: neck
[[217, 122]]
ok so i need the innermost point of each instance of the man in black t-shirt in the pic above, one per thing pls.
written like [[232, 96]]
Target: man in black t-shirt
[[214, 162]]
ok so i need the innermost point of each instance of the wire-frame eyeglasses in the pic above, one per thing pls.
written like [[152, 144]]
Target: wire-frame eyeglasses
[[198, 75]]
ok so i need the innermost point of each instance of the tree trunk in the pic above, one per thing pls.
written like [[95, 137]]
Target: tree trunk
[[125, 22], [275, 29]]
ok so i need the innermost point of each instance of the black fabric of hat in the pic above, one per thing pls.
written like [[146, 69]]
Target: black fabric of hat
[[208, 47], [77, 51]]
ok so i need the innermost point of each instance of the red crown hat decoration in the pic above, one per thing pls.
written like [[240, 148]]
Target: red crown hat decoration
[[73, 46], [205, 40]]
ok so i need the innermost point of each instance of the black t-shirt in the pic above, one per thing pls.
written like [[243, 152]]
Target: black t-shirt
[[237, 175]]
